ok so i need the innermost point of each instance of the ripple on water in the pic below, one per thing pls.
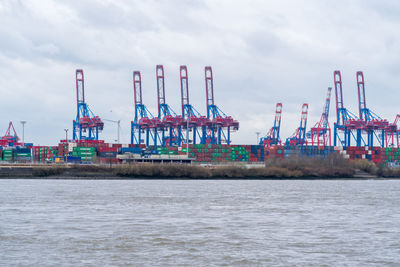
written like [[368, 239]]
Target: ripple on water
[[199, 223]]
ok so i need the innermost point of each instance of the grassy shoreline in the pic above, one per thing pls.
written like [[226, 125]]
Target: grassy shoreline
[[333, 167]]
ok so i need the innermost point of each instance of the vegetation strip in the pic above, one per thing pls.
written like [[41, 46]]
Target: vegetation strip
[[293, 167]]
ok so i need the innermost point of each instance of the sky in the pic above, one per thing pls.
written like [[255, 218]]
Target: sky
[[262, 52]]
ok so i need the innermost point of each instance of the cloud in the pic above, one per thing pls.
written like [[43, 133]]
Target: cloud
[[262, 52]]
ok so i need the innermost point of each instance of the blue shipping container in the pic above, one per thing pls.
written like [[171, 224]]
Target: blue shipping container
[[134, 150]]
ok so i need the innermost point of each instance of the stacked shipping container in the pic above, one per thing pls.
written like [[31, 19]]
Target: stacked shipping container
[[100, 152]]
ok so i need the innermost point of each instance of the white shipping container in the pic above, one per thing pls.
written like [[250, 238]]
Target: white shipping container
[[71, 146]]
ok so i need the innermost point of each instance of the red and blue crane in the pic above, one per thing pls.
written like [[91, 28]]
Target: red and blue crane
[[144, 121], [86, 125], [320, 134], [373, 125], [221, 124], [10, 137], [392, 133], [298, 138], [346, 122], [192, 119], [167, 128], [170, 123], [272, 137]]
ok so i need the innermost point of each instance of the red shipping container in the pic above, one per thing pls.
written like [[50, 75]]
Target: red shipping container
[[108, 149]]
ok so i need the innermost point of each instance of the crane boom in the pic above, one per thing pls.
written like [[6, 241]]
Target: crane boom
[[85, 120], [137, 89], [160, 89], [80, 89], [339, 97], [209, 89], [362, 105], [303, 122], [325, 114], [272, 137], [184, 89]]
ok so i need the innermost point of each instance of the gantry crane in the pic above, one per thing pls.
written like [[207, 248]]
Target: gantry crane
[[11, 135], [320, 134], [298, 138], [346, 122], [86, 125], [373, 125], [144, 121], [272, 137], [392, 133], [192, 120], [221, 124], [171, 123]]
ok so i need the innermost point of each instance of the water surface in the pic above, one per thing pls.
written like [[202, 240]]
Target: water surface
[[199, 223]]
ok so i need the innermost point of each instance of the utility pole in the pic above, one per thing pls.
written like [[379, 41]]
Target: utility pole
[[66, 140], [23, 132], [66, 135]]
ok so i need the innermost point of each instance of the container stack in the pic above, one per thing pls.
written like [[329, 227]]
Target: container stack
[[86, 153], [256, 153], [42, 153], [22, 154], [62, 149], [375, 154], [239, 153], [274, 152], [308, 151], [7, 155], [108, 154], [391, 154]]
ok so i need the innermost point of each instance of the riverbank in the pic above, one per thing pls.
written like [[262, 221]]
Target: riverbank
[[289, 168]]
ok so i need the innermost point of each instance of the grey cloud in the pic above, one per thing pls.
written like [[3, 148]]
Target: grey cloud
[[261, 52]]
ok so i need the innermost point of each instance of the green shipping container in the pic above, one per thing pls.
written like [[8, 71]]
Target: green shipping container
[[22, 154], [84, 149], [88, 153]]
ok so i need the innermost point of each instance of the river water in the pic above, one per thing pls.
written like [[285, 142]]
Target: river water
[[199, 223]]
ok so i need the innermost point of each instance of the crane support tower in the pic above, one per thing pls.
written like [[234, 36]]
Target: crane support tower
[[372, 125], [320, 134], [298, 138], [346, 122], [11, 135], [86, 125], [392, 133], [170, 123], [272, 137], [221, 124], [193, 121], [143, 122]]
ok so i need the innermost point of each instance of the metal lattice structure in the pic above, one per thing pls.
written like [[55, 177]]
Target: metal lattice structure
[[320, 133], [192, 119], [170, 123], [10, 135], [143, 122], [346, 122], [86, 125], [221, 124], [373, 126], [272, 137], [298, 138], [392, 133]]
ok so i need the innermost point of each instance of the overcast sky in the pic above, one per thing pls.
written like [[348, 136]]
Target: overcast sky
[[262, 52]]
